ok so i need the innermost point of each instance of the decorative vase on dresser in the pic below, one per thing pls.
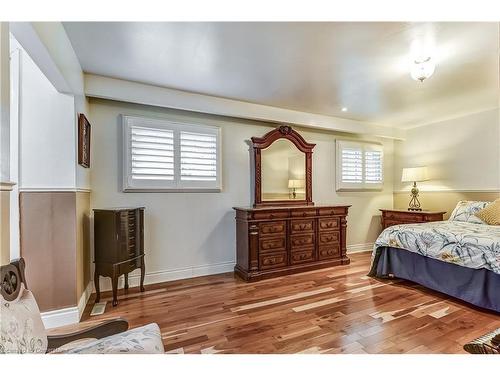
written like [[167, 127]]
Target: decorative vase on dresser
[[118, 246], [284, 232]]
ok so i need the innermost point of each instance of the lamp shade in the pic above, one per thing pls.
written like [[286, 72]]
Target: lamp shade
[[414, 174], [295, 184]]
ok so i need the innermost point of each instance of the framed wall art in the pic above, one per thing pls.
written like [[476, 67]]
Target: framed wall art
[[83, 141]]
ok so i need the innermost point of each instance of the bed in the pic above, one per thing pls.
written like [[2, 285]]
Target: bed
[[459, 257]]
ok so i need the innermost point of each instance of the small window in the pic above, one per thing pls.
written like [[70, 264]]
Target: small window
[[360, 166], [161, 155]]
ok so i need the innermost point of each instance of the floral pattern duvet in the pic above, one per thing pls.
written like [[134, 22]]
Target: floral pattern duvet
[[463, 243]]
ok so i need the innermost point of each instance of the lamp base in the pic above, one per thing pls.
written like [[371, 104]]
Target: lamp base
[[414, 204]]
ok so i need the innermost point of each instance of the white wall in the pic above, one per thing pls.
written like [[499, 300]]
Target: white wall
[[47, 131], [50, 48], [461, 153], [4, 103], [193, 230]]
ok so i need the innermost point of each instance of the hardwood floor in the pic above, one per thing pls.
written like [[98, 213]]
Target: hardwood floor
[[334, 310]]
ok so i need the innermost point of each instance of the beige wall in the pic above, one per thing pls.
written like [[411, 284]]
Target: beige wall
[[463, 157], [461, 153], [48, 244], [197, 230], [4, 227]]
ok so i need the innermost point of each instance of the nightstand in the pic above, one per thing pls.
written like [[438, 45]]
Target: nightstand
[[395, 217]]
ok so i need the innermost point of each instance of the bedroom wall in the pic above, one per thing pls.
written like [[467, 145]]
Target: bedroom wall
[[463, 158], [189, 234], [5, 186]]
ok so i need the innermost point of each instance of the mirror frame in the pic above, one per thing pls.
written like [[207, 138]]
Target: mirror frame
[[260, 143]]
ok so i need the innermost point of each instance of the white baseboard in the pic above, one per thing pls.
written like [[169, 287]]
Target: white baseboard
[[84, 299], [359, 248], [62, 317], [69, 315], [168, 275]]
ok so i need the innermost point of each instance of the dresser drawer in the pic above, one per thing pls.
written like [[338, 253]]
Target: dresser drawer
[[272, 228], [302, 256], [330, 211], [331, 251], [302, 226], [330, 223], [301, 240], [274, 260], [303, 213], [272, 244], [270, 215], [405, 216], [326, 238]]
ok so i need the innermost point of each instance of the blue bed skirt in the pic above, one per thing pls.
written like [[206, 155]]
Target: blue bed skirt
[[479, 287]]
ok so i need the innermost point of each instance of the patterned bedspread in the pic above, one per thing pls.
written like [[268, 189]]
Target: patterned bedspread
[[465, 244]]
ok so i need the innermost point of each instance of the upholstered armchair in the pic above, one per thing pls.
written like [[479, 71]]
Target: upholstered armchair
[[22, 329]]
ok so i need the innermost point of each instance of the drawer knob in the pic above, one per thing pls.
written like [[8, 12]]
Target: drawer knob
[[304, 214]]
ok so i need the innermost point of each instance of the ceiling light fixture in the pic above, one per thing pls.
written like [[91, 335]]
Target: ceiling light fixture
[[344, 109], [422, 69]]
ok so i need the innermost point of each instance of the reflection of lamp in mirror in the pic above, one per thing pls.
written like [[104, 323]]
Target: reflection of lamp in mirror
[[414, 175], [295, 184]]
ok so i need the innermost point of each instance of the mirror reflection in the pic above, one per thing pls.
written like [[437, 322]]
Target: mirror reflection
[[283, 172]]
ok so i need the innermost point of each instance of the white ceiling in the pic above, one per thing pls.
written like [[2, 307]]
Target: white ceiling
[[310, 67]]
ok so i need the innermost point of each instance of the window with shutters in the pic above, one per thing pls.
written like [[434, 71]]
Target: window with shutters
[[161, 155], [360, 166]]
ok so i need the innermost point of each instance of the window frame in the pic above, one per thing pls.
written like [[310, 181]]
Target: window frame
[[352, 186], [175, 185]]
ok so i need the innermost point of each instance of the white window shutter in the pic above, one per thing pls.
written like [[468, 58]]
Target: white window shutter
[[161, 155], [359, 166], [373, 167], [198, 156], [152, 154], [352, 165]]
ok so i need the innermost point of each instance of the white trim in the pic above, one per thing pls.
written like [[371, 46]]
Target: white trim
[[7, 185], [169, 275], [134, 92], [27, 36], [359, 248], [447, 190], [84, 299], [61, 317], [53, 189]]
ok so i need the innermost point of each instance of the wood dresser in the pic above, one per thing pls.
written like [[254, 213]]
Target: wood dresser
[[275, 241], [118, 245], [395, 217]]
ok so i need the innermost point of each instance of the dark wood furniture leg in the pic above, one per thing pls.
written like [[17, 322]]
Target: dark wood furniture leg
[[97, 289], [126, 281], [114, 282], [143, 273]]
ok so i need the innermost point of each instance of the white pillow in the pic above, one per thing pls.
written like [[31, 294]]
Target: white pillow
[[466, 211]]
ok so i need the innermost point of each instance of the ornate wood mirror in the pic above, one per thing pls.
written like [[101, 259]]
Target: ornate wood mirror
[[283, 168]]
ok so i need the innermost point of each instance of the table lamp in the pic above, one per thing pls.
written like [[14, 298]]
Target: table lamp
[[414, 175], [295, 184]]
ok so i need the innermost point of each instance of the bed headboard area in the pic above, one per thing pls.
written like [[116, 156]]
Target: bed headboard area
[[444, 200]]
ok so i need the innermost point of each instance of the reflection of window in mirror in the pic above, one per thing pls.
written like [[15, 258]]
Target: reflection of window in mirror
[[283, 172]]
